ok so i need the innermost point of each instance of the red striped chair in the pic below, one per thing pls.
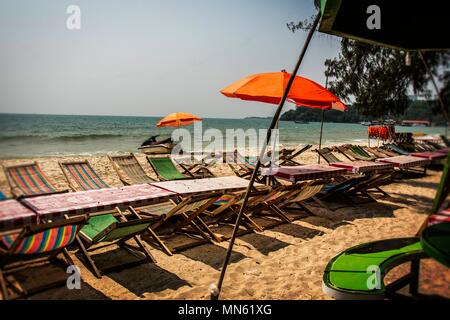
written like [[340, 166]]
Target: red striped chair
[[36, 243], [83, 176], [28, 180]]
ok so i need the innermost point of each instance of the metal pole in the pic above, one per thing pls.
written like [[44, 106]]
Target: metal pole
[[215, 292], [321, 124], [441, 102], [321, 130]]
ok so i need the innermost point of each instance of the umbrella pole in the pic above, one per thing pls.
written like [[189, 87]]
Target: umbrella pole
[[321, 130], [441, 102], [215, 292]]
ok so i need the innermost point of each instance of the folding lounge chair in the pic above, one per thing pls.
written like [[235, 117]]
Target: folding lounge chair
[[84, 176], [287, 156], [353, 153], [108, 230], [195, 165], [242, 166], [34, 245], [129, 170], [183, 217], [28, 180], [365, 185], [376, 153], [166, 170]]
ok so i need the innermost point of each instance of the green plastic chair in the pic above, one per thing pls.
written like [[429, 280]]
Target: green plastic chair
[[107, 230], [166, 170], [358, 272]]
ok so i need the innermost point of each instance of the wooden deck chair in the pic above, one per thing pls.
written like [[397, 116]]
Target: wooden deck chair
[[224, 211], [83, 175], [129, 169], [287, 157], [35, 245], [195, 165], [353, 154], [106, 230], [375, 152], [267, 206], [308, 191], [28, 180], [183, 217], [387, 152], [240, 165], [166, 170], [327, 155]]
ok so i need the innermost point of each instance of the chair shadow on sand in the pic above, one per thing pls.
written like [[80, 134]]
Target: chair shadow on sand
[[51, 273], [141, 279], [264, 244], [212, 255], [420, 203]]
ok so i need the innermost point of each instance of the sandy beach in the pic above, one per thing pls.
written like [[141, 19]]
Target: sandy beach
[[285, 262]]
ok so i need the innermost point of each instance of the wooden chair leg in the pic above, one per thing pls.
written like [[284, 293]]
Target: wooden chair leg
[[321, 203], [207, 229], [88, 258], [3, 286], [144, 249], [159, 241], [280, 212]]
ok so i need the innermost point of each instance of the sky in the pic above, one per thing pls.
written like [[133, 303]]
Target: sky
[[149, 57]]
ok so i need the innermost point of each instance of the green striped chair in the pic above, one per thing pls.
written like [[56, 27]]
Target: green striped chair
[[113, 230], [83, 175], [28, 180], [129, 170], [166, 170], [37, 243]]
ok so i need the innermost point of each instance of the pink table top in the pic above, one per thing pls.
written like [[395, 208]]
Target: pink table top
[[304, 172], [363, 166], [430, 155], [84, 202], [404, 162], [198, 186], [14, 215]]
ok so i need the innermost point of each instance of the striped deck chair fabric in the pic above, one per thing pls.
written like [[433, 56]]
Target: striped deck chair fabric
[[41, 242], [328, 155], [29, 180], [165, 169], [131, 167], [84, 175]]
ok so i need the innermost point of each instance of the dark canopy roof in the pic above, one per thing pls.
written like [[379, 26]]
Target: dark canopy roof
[[405, 24]]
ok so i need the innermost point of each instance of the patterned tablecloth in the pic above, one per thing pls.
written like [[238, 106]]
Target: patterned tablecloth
[[14, 215], [363, 166], [84, 202], [430, 155], [404, 162], [199, 186], [441, 216], [305, 172]]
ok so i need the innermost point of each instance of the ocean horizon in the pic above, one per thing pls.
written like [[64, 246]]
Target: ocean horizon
[[42, 135]]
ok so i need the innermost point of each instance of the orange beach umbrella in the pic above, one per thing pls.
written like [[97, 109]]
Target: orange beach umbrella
[[269, 88], [178, 119]]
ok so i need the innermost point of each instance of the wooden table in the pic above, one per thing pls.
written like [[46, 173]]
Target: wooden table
[[364, 167], [94, 201], [200, 186], [305, 172]]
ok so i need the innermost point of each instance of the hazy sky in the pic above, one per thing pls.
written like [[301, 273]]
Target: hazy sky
[[148, 57]]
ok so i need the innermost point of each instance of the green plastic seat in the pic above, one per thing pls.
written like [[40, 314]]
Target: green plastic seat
[[97, 224], [349, 275], [165, 169]]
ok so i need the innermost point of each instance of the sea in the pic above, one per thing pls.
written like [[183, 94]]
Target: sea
[[36, 135]]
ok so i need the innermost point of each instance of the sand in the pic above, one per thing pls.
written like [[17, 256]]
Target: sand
[[285, 262]]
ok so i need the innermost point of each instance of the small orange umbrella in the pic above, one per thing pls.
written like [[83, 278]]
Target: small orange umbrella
[[269, 88], [178, 119]]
